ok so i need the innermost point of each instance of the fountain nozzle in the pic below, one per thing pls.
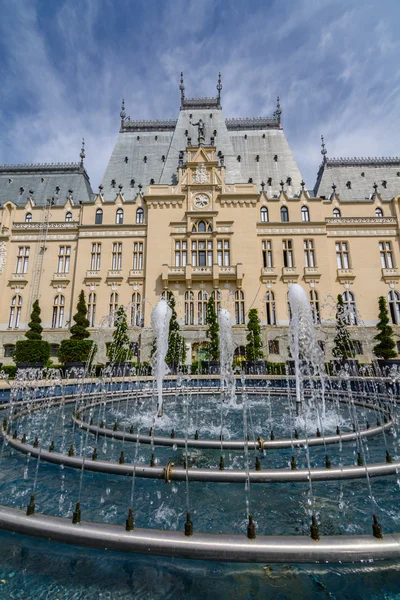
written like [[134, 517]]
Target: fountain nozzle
[[388, 457], [328, 463], [76, 515], [152, 461], [122, 458], [293, 464], [251, 529], [258, 464], [51, 447], [376, 528], [314, 529], [130, 521], [94, 455], [188, 525], [360, 461], [30, 509], [221, 464]]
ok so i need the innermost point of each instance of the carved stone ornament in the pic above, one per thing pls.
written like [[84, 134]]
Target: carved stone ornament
[[201, 175], [3, 256], [201, 201]]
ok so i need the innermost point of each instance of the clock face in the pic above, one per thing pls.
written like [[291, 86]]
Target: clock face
[[201, 201]]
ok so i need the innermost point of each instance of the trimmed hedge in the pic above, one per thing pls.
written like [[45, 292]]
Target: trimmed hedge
[[71, 351], [31, 352], [9, 370]]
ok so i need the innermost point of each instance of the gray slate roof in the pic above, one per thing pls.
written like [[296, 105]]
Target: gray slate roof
[[362, 173], [40, 182], [138, 154]]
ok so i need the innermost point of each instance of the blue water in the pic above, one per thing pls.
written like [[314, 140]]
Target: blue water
[[38, 569]]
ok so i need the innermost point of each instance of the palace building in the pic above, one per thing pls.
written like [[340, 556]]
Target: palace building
[[199, 205]]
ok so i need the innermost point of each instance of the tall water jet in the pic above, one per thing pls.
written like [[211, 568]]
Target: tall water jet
[[226, 351], [304, 348], [160, 318]]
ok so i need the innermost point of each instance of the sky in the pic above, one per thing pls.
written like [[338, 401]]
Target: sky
[[65, 65]]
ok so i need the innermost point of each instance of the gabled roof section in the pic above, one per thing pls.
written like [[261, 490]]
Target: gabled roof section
[[359, 179], [39, 182]]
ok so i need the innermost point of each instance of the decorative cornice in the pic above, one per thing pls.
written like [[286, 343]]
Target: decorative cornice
[[32, 225], [362, 161], [112, 233], [253, 123], [40, 167], [361, 220], [361, 232], [291, 231], [201, 103], [164, 125]]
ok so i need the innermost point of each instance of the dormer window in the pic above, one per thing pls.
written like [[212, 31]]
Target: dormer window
[[28, 218], [239, 158], [289, 181], [348, 185], [151, 181], [21, 190], [126, 159], [113, 183], [384, 184], [163, 158], [57, 189], [258, 158], [269, 181], [145, 159], [68, 217], [132, 183], [276, 158], [250, 180]]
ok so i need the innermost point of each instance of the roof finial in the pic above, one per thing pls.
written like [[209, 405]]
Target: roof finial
[[82, 154], [324, 150], [375, 186], [122, 114], [219, 88], [182, 88], [278, 111]]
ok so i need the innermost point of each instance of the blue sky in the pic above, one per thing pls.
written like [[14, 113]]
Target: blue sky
[[65, 66]]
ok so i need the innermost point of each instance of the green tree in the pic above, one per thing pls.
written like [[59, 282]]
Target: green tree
[[79, 331], [254, 345], [343, 348], [120, 348], [176, 353], [386, 346], [35, 328], [78, 348], [34, 349], [212, 331]]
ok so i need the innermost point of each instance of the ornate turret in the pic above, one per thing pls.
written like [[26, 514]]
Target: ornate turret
[[219, 88], [82, 154], [122, 114], [182, 88], [278, 111], [323, 150]]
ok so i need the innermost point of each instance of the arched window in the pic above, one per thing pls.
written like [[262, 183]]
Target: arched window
[[189, 308], [284, 214], [119, 217], [337, 213], [378, 212], [15, 312], [28, 218], [314, 305], [239, 307], [99, 217], [350, 308], [58, 311], [139, 215], [68, 217], [136, 310], [113, 307], [201, 228], [305, 213], [91, 309], [216, 296], [270, 311], [264, 214], [394, 306], [202, 298]]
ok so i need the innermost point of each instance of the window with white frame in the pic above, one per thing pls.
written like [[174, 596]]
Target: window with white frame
[[180, 253], [15, 312], [57, 320], [336, 213], [119, 216], [136, 309], [378, 212], [223, 253], [68, 217], [239, 307], [288, 256], [305, 214], [267, 254], [342, 255], [264, 214], [309, 253], [386, 252], [23, 259], [113, 306], [284, 214], [202, 299], [270, 310], [202, 253], [28, 217], [189, 308], [139, 215], [64, 259], [95, 257], [138, 256], [314, 305], [116, 257], [394, 306], [91, 314], [99, 217]]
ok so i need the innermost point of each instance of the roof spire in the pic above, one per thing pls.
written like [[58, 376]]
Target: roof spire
[[182, 88], [323, 150], [122, 114], [278, 111], [82, 154], [219, 88]]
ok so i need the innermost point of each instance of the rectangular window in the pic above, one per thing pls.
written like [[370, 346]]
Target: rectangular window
[[180, 253], [9, 350], [309, 253], [223, 253], [138, 256], [116, 256], [288, 258], [95, 257], [201, 253], [342, 255], [273, 346], [386, 252], [267, 254], [64, 258], [23, 259]]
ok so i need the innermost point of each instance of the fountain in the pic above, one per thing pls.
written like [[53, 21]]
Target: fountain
[[176, 439]]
